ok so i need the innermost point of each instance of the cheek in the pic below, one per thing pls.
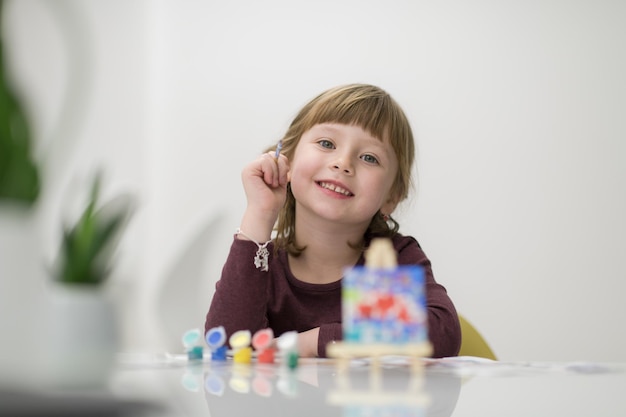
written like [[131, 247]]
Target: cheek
[[296, 178], [385, 190], [300, 169]]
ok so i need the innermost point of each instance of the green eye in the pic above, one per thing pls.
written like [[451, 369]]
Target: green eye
[[370, 159], [325, 143]]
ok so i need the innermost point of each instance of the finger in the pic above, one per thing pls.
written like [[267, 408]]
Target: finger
[[283, 170], [270, 170]]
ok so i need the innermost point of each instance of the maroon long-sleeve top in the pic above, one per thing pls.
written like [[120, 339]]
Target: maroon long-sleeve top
[[249, 298]]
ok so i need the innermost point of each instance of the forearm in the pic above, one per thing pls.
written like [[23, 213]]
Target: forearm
[[240, 298], [444, 330], [328, 333], [257, 225], [312, 343]]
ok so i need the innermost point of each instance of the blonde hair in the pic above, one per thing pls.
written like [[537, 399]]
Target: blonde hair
[[373, 110]]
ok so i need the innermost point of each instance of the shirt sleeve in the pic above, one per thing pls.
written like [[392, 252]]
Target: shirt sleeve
[[241, 294], [329, 333], [444, 330]]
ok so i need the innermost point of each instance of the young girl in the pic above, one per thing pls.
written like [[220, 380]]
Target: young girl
[[328, 188]]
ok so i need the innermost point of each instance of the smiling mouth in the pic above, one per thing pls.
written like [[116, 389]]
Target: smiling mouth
[[335, 188]]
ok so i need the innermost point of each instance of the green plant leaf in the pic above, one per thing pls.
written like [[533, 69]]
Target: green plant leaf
[[19, 175], [88, 247]]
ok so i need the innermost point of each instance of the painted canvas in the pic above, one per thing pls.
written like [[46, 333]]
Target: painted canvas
[[384, 305]]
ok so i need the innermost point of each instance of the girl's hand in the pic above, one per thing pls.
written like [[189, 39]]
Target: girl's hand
[[307, 343], [265, 184]]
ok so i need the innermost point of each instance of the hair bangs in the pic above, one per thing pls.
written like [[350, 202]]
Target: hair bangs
[[369, 109]]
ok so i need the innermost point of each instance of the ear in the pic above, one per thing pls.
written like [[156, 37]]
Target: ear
[[389, 206]]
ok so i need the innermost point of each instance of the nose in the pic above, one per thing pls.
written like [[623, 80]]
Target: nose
[[343, 164]]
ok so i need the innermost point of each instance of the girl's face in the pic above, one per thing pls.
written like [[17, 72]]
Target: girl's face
[[341, 173]]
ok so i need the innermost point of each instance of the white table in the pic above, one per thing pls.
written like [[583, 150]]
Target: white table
[[166, 385]]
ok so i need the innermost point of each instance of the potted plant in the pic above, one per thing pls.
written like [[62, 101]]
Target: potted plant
[[88, 246], [82, 337], [20, 188], [19, 173]]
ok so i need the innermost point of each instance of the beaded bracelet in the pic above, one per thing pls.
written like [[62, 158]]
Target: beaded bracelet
[[261, 260]]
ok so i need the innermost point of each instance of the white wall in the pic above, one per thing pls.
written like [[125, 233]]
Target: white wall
[[518, 109]]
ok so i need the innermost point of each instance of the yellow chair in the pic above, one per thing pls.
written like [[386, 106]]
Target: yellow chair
[[472, 342]]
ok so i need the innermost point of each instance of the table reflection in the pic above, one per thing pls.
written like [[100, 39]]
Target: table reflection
[[171, 385], [318, 388]]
